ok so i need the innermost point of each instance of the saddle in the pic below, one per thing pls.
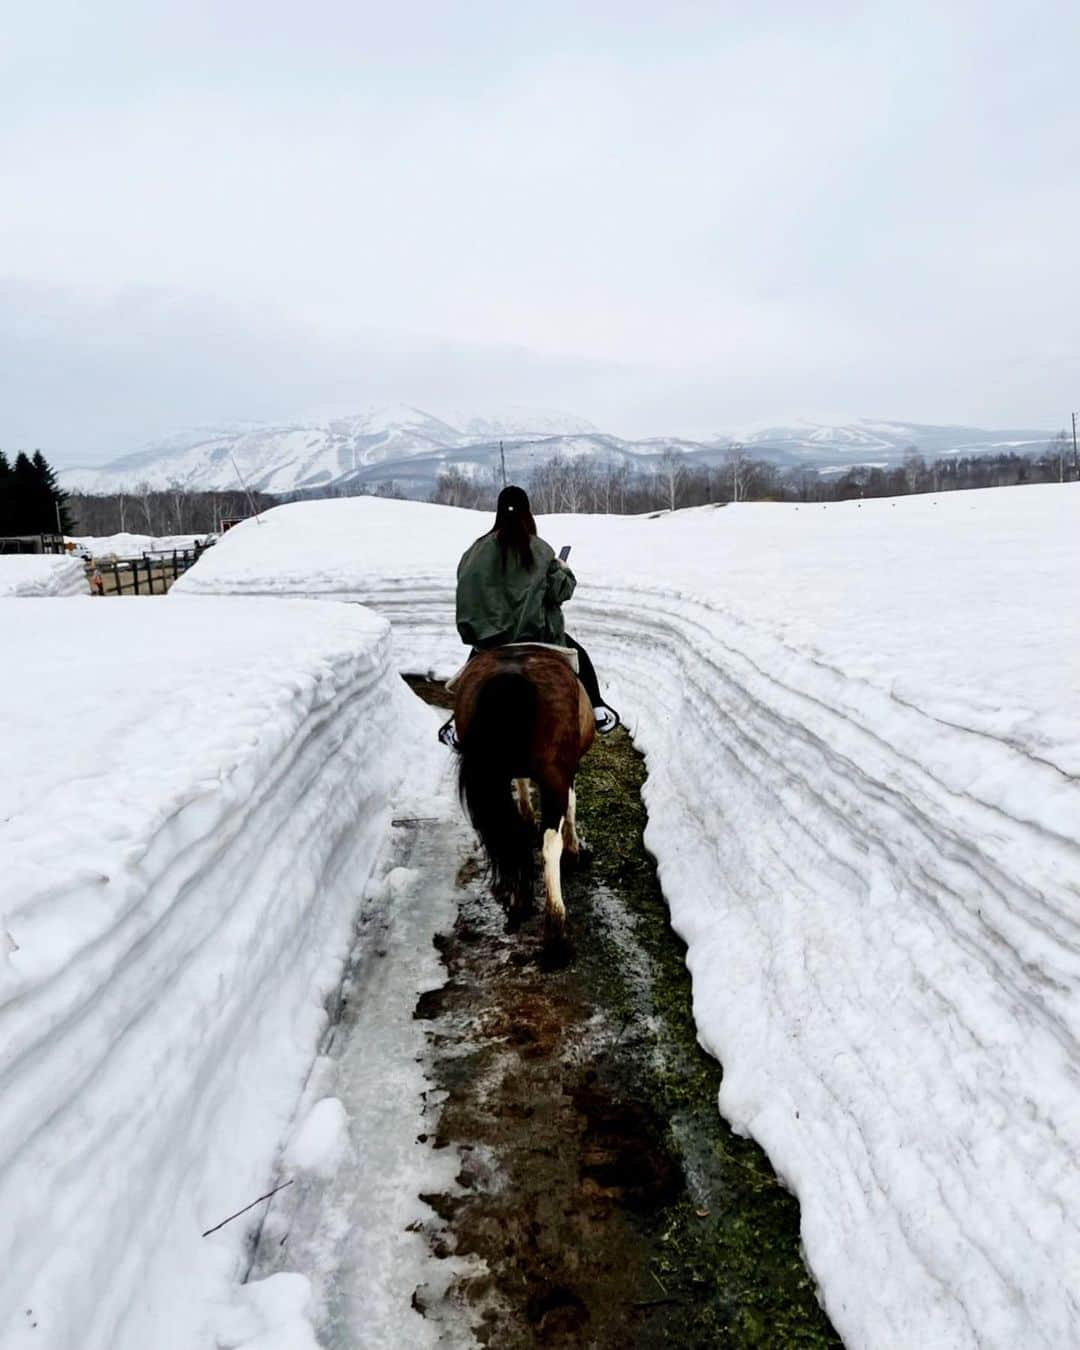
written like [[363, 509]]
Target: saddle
[[567, 653]]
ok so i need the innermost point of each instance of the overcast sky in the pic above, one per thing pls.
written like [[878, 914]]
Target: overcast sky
[[677, 218]]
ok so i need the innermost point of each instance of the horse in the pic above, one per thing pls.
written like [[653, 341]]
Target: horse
[[522, 716]]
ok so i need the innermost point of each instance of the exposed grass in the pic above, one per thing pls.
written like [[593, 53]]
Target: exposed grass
[[728, 1248]]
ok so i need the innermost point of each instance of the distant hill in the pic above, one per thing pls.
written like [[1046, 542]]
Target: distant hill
[[411, 447]]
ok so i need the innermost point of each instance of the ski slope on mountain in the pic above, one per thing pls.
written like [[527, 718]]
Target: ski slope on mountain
[[193, 799], [411, 447], [284, 458], [863, 746]]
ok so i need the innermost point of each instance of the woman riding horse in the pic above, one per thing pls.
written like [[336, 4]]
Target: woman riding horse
[[511, 588]]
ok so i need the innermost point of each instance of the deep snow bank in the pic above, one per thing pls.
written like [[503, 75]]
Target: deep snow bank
[[862, 724], [133, 545], [185, 840], [41, 574]]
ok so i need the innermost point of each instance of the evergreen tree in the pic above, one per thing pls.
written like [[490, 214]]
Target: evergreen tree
[[24, 483], [52, 497], [7, 510]]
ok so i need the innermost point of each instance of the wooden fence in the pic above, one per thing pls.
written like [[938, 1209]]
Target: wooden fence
[[152, 574]]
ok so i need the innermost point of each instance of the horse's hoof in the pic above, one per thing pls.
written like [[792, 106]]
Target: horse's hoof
[[517, 911], [554, 926], [557, 952]]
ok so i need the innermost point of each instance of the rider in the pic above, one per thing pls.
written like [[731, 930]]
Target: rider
[[511, 588]]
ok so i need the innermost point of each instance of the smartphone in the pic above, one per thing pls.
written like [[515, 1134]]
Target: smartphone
[[564, 552]]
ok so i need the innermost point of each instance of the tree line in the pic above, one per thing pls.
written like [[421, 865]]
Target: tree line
[[31, 501], [588, 486], [160, 511]]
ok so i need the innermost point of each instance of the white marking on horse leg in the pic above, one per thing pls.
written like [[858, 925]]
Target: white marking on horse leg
[[554, 909], [523, 797], [569, 829]]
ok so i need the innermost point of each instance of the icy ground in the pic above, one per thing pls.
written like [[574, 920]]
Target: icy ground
[[41, 574], [186, 834], [361, 1153], [862, 724]]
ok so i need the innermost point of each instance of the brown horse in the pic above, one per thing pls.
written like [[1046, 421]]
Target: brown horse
[[522, 714]]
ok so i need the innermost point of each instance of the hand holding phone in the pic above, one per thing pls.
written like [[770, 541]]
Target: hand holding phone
[[564, 552]]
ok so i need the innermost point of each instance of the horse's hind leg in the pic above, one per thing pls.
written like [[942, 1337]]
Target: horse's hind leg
[[554, 808], [571, 841], [523, 797]]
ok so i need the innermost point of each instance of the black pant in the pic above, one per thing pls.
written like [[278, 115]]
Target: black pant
[[586, 669], [587, 674]]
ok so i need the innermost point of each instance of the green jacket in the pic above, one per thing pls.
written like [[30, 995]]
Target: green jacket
[[512, 605]]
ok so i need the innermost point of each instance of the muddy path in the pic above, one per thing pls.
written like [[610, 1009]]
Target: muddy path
[[601, 1197]]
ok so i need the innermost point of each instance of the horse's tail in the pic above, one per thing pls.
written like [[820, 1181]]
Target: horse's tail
[[496, 748]]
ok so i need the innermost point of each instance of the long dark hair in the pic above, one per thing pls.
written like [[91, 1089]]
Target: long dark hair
[[514, 525]]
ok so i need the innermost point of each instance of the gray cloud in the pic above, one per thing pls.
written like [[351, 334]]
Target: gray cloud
[[684, 222]]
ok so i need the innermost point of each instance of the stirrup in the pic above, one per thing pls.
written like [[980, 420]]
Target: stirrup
[[607, 719], [448, 734]]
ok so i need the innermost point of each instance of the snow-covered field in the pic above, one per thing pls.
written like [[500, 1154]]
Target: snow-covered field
[[41, 574], [862, 724], [186, 839]]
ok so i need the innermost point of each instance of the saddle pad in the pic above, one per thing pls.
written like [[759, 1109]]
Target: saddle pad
[[567, 653]]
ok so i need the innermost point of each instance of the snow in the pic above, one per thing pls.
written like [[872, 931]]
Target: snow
[[355, 1230], [271, 1314], [41, 574], [134, 545], [186, 840], [321, 1144], [862, 726]]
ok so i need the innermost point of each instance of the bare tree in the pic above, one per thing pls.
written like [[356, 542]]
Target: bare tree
[[179, 497], [737, 463], [914, 469], [144, 492], [194, 512], [1059, 447], [672, 472]]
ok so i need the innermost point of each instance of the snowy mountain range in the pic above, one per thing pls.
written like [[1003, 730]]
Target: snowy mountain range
[[411, 447]]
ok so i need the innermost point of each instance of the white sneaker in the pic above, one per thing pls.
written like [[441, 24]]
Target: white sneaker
[[607, 719]]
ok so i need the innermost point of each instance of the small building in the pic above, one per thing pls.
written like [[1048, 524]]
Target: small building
[[32, 543]]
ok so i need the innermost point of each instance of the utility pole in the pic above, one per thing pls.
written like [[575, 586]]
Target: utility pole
[[502, 455], [1076, 458], [247, 491]]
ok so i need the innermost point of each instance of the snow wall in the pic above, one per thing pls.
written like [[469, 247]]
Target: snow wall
[[862, 728], [31, 575], [193, 797], [133, 545]]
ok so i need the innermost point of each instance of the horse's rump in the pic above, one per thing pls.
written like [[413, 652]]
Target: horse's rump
[[512, 649], [568, 724]]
